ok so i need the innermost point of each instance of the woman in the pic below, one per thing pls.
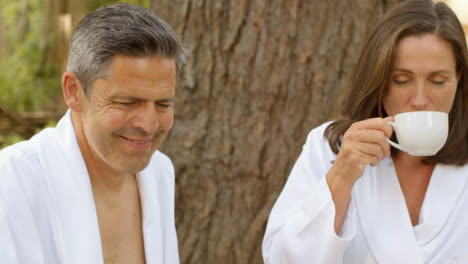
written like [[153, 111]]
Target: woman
[[350, 198]]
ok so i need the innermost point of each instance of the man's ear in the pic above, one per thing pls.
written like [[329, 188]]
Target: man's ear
[[72, 91]]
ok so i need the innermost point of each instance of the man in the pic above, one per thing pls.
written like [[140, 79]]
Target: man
[[95, 189]]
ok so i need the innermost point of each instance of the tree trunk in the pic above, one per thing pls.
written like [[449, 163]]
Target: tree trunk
[[260, 76], [2, 41], [62, 16]]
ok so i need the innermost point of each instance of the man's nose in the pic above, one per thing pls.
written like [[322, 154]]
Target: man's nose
[[146, 118]]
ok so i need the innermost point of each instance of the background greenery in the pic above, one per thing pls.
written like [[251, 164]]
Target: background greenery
[[28, 79], [30, 70], [95, 4], [24, 83]]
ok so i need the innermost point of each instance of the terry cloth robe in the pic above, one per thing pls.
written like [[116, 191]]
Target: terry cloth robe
[[47, 210], [377, 227]]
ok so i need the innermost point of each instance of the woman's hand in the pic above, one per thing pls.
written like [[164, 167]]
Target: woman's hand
[[364, 143]]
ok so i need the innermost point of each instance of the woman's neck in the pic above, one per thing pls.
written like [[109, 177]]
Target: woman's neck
[[405, 160]]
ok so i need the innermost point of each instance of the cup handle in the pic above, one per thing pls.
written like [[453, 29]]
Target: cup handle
[[391, 142]]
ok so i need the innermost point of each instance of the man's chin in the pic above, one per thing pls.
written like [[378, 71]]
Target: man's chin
[[135, 164]]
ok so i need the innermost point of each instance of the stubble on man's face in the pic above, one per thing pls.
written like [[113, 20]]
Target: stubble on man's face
[[128, 115]]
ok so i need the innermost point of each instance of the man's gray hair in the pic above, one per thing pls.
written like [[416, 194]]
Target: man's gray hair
[[120, 29]]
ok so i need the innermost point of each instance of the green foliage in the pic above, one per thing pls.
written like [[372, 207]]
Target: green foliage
[[50, 123], [95, 4], [24, 83], [10, 139], [27, 80]]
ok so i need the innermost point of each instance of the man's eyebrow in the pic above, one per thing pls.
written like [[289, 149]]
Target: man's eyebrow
[[167, 100], [139, 99], [123, 97]]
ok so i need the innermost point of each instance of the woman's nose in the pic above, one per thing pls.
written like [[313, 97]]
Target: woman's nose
[[420, 99]]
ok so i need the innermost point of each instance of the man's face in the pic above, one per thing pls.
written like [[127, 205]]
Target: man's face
[[127, 115]]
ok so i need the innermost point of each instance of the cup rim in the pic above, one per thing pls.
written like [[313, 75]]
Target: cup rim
[[424, 111]]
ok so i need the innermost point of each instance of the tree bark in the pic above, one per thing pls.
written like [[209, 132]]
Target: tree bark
[[261, 75]]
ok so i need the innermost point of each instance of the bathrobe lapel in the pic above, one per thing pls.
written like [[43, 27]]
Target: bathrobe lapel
[[151, 210], [383, 216], [76, 227], [444, 191]]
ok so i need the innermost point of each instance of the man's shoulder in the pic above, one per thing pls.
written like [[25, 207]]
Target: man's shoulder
[[22, 155], [21, 173], [19, 153]]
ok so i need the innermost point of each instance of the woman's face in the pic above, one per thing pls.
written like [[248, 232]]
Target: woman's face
[[424, 76]]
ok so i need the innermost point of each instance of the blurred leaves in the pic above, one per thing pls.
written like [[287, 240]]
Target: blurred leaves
[[10, 139], [27, 81], [95, 4], [29, 76]]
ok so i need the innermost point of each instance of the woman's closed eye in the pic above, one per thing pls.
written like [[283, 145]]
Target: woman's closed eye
[[439, 80], [401, 79]]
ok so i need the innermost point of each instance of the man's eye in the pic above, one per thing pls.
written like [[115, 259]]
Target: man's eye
[[126, 103], [163, 105]]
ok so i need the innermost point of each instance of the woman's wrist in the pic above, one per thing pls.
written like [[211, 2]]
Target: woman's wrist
[[337, 182]]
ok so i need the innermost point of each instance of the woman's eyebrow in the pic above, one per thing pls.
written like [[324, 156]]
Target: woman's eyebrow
[[408, 71]]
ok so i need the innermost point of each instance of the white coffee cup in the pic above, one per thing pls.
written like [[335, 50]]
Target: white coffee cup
[[421, 133]]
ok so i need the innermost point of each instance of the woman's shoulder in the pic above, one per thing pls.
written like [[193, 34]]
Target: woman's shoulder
[[317, 142], [318, 133]]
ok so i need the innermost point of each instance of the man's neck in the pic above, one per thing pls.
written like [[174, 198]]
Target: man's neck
[[110, 183], [118, 208]]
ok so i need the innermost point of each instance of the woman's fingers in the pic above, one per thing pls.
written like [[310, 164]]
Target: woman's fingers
[[376, 124], [375, 137], [375, 152]]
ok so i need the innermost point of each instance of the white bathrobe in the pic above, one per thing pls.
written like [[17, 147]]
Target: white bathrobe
[[47, 210], [377, 227]]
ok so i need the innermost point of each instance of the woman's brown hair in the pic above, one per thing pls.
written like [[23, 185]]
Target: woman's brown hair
[[373, 70]]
